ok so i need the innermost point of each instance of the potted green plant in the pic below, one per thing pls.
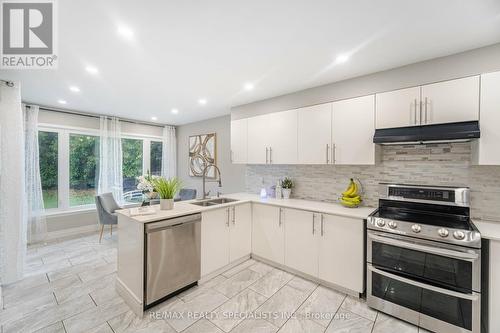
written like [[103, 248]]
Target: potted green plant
[[286, 185], [167, 189]]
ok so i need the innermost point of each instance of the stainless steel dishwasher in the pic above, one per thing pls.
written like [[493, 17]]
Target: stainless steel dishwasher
[[172, 257]]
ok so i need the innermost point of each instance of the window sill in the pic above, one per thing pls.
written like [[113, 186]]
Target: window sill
[[79, 210]]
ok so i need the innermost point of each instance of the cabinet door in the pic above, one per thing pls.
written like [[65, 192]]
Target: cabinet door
[[268, 236], [214, 240], [488, 153], [240, 231], [239, 132], [283, 137], [301, 240], [494, 287], [353, 127], [315, 134], [451, 101], [259, 129], [341, 252], [398, 108]]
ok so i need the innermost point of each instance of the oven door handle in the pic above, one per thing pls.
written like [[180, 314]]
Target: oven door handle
[[424, 248], [471, 297]]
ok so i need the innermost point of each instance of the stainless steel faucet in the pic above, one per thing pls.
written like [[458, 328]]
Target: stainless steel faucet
[[205, 194]]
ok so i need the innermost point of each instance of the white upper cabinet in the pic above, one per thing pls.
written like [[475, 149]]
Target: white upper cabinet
[[272, 138], [259, 135], [399, 108], [353, 125], [315, 134], [451, 101], [239, 136], [487, 146]]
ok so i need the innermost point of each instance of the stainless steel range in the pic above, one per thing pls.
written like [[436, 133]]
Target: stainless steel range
[[424, 258]]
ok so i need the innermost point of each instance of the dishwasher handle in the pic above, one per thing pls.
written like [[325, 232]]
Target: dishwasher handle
[[171, 223]]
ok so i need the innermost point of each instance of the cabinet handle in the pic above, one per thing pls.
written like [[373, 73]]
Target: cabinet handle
[[266, 156], [279, 219], [227, 222], [415, 115], [314, 215], [420, 112], [426, 110], [327, 153], [322, 221], [234, 215], [334, 153], [270, 155]]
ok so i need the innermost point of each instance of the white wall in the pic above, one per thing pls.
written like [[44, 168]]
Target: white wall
[[233, 175]]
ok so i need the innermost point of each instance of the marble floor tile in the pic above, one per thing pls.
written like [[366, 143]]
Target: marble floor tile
[[301, 325], [281, 306], [45, 268], [322, 305], [348, 322], [359, 307], [192, 292], [237, 282], [184, 314], [54, 328], [23, 309], [238, 268], [203, 326], [103, 295], [255, 326], [28, 282], [214, 281], [229, 314], [388, 324], [128, 322], [97, 272], [103, 328], [85, 288], [50, 315], [271, 282], [261, 268], [87, 320], [74, 270], [302, 285]]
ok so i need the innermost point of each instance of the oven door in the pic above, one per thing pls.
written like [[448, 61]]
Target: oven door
[[436, 309], [442, 265]]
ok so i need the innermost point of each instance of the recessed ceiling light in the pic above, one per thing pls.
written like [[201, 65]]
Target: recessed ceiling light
[[74, 89], [92, 70], [62, 101], [248, 86], [175, 111], [154, 118], [341, 58], [125, 32], [202, 101]]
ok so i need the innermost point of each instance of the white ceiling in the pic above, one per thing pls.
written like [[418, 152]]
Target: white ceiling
[[186, 50]]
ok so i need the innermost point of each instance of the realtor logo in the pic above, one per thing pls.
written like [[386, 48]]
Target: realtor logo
[[28, 34]]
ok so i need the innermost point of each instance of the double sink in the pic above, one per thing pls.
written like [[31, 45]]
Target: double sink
[[213, 202]]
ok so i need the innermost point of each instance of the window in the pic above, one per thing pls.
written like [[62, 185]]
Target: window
[[48, 151], [132, 166], [83, 157], [155, 162]]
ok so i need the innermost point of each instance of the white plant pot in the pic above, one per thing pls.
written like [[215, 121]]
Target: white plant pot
[[286, 193], [166, 204]]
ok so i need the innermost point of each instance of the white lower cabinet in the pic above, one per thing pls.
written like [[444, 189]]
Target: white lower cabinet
[[268, 234], [341, 252], [214, 240], [240, 231], [301, 240]]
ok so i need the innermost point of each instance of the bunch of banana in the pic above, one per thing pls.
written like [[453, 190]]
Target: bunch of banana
[[350, 197]]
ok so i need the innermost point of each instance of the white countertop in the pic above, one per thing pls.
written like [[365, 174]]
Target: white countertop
[[185, 207], [488, 229]]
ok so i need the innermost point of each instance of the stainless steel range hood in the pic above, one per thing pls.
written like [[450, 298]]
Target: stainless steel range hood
[[450, 132]]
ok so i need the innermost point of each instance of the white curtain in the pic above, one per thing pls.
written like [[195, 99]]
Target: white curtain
[[36, 223], [110, 158], [12, 190], [169, 155]]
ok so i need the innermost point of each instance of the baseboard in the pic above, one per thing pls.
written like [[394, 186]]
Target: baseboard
[[53, 235], [307, 276], [132, 301]]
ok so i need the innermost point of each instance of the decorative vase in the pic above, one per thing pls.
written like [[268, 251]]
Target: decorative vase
[[166, 204], [286, 193]]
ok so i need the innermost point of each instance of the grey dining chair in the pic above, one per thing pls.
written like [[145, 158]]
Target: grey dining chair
[[106, 207], [186, 194]]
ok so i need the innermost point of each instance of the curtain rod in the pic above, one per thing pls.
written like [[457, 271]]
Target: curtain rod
[[91, 115]]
